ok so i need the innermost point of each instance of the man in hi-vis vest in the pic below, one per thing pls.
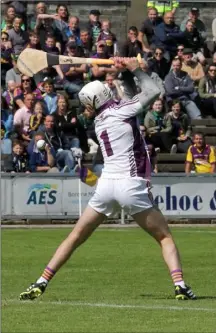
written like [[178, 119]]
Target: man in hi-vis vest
[[164, 6]]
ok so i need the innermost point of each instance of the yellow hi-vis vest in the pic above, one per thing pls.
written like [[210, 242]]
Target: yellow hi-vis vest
[[163, 6]]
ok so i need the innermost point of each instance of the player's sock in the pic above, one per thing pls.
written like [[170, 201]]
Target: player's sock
[[177, 277], [47, 275]]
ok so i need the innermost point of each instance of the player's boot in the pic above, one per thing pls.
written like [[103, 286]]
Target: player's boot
[[184, 293], [34, 291]]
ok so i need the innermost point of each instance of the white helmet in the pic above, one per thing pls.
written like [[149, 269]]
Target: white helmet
[[94, 94]]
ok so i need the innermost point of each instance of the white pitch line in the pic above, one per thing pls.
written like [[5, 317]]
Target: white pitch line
[[113, 306]]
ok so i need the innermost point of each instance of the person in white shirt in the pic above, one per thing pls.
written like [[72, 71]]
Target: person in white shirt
[[124, 181]]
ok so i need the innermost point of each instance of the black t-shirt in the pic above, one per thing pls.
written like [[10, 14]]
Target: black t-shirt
[[147, 28], [130, 49]]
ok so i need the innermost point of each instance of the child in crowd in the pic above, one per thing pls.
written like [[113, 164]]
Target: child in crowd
[[9, 95], [19, 158], [50, 96], [37, 118], [109, 38]]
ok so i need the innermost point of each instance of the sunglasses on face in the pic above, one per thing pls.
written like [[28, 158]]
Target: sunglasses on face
[[212, 70], [180, 49], [158, 53], [4, 38], [25, 80]]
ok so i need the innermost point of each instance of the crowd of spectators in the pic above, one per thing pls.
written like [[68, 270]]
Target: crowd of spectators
[[41, 108]]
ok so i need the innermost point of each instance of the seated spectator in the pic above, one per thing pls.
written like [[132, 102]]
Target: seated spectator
[[180, 49], [6, 56], [132, 47], [193, 68], [22, 117], [94, 26], [73, 29], [193, 40], [178, 85], [114, 86], [7, 22], [37, 118], [181, 127], [193, 16], [27, 87], [158, 64], [98, 72], [58, 141], [207, 91], [159, 128], [17, 36], [200, 156], [6, 118], [34, 41], [147, 30], [109, 38], [168, 36], [6, 147], [20, 161], [33, 21], [87, 122], [41, 160], [73, 73], [50, 96], [86, 42], [151, 150], [13, 74], [66, 121], [9, 95], [50, 45]]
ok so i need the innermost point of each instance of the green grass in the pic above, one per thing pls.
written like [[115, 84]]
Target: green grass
[[115, 267]]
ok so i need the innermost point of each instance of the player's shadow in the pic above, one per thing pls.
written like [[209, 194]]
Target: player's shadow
[[156, 296]]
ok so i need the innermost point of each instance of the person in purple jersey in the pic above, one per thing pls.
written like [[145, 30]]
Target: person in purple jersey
[[124, 182]]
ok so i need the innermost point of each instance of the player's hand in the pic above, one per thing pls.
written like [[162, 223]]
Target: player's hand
[[131, 63]]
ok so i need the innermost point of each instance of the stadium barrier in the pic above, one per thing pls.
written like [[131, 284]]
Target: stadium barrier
[[37, 196]]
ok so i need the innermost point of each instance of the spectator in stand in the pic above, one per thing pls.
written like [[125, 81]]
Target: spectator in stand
[[73, 29], [180, 49], [50, 45], [181, 127], [200, 156], [94, 26], [27, 87], [50, 96], [114, 86], [193, 16], [109, 38], [20, 161], [132, 47], [6, 118], [6, 56], [168, 35], [159, 128], [86, 42], [193, 40], [87, 123], [73, 73], [13, 74], [147, 30], [158, 64], [41, 160], [9, 95], [37, 119], [98, 72], [22, 118], [207, 91], [57, 140], [6, 149], [192, 68], [17, 36], [7, 22], [178, 85], [164, 6], [34, 41], [34, 22], [214, 59], [20, 9]]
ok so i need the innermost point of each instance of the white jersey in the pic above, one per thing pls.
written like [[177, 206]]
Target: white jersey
[[124, 150]]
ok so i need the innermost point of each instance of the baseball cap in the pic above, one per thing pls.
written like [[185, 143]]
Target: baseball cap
[[95, 12], [194, 10]]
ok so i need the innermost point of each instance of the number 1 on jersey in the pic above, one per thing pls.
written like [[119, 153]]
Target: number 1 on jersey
[[104, 136]]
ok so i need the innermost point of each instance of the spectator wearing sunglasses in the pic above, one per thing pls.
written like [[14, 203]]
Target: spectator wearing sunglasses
[[207, 91], [27, 86], [158, 64], [180, 49]]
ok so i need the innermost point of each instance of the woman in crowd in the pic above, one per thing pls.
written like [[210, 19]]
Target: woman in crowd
[[158, 64], [27, 86]]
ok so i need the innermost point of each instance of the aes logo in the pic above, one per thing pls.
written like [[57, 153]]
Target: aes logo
[[42, 194]]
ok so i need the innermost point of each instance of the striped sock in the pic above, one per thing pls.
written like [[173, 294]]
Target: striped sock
[[47, 275], [177, 277]]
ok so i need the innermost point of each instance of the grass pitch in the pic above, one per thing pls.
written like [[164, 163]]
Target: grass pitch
[[116, 282]]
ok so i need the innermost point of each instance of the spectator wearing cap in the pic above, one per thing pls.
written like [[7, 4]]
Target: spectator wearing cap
[[74, 81], [193, 16], [98, 72], [164, 6], [192, 68], [147, 29], [207, 91], [168, 35], [179, 85], [158, 64], [200, 156], [193, 40], [109, 38], [132, 47], [94, 25], [17, 36]]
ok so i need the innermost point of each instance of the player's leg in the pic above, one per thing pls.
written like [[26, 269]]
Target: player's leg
[[152, 221], [87, 223]]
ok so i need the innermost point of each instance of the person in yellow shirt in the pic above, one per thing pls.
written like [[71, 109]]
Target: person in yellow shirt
[[200, 156], [164, 6]]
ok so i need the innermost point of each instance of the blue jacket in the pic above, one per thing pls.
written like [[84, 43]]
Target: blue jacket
[[168, 36], [7, 122], [37, 158]]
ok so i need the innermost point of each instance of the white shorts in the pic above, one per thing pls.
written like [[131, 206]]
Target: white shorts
[[132, 194]]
